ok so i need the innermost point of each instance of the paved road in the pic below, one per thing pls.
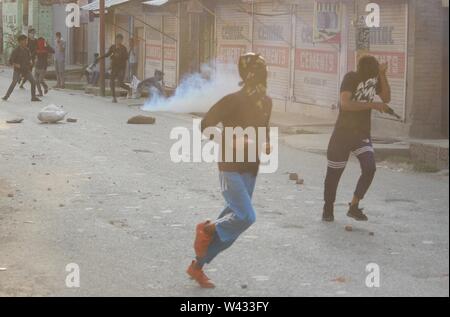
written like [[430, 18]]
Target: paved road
[[105, 195]]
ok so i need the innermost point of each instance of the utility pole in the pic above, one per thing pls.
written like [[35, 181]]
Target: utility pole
[[102, 47]]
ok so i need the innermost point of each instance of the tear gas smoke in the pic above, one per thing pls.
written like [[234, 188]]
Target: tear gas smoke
[[197, 92]]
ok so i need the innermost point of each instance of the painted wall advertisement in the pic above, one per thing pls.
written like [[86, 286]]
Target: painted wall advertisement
[[327, 22]]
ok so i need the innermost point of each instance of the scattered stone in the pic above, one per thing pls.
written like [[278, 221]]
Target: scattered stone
[[3, 269], [10, 195], [33, 163], [371, 234], [19, 120], [244, 286], [349, 228], [49, 189], [61, 205], [340, 279], [293, 176], [141, 120], [300, 181], [71, 120]]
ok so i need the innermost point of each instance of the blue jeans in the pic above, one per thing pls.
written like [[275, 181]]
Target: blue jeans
[[238, 215]]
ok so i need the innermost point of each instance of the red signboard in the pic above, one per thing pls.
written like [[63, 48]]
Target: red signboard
[[154, 52], [230, 53], [395, 60], [274, 55], [316, 61]]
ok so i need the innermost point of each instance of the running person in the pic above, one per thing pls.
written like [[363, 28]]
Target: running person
[[248, 108], [119, 57], [352, 133], [42, 52], [21, 61]]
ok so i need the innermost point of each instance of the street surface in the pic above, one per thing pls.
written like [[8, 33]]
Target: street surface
[[105, 195]]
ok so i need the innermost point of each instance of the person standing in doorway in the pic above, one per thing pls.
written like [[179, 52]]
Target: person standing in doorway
[[119, 57], [352, 133], [21, 61], [60, 60]]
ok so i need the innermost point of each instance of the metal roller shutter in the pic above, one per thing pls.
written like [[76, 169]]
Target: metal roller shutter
[[233, 35], [170, 51], [153, 51], [317, 70], [272, 39], [388, 43]]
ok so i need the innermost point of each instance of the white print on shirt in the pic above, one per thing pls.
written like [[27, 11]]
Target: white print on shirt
[[367, 90]]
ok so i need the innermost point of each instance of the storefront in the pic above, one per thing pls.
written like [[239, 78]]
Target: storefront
[[311, 44]]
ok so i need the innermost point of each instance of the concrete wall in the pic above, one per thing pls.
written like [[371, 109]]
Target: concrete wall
[[426, 73]]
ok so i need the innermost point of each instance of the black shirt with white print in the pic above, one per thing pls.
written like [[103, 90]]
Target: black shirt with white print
[[357, 123]]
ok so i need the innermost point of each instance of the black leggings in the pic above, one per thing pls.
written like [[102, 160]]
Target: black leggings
[[339, 151]]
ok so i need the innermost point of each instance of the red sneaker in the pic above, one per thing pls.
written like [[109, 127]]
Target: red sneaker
[[199, 276], [202, 239]]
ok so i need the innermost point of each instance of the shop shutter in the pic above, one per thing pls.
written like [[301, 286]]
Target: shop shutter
[[273, 40], [388, 44], [317, 74]]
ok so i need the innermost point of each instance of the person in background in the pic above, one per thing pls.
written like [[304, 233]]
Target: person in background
[[92, 71], [119, 57], [60, 60], [32, 46], [42, 52], [20, 59], [155, 82], [133, 58], [352, 133]]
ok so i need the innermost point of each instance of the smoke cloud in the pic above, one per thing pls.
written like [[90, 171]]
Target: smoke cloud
[[197, 92]]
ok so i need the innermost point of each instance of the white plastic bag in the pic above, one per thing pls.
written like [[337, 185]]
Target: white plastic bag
[[52, 114]]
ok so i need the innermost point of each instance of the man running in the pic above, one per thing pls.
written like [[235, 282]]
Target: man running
[[352, 133], [21, 61], [248, 108], [32, 46], [119, 57]]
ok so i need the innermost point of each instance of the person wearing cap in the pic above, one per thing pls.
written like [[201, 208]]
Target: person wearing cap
[[250, 107]]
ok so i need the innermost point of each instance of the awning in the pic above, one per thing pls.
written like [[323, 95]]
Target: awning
[[95, 6]]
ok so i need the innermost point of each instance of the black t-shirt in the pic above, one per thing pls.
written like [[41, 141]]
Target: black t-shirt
[[21, 56], [357, 123], [32, 46], [119, 56], [234, 111]]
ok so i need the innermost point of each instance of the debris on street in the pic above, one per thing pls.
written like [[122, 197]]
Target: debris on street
[[13, 121], [293, 176], [71, 120], [141, 120]]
